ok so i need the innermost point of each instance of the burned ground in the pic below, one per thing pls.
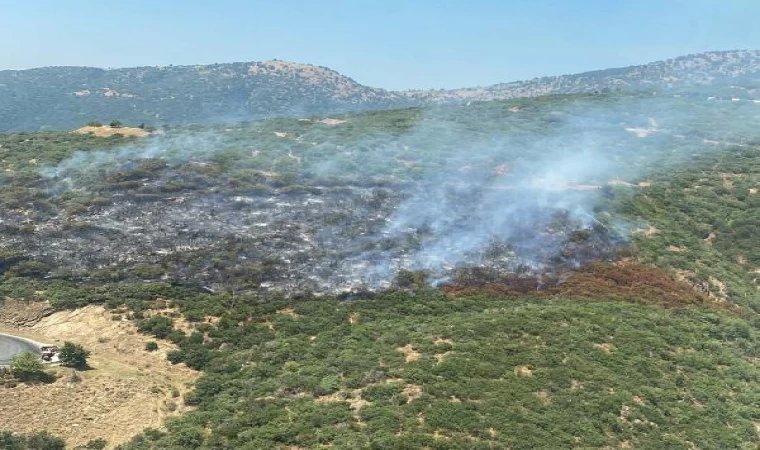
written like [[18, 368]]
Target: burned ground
[[298, 206]]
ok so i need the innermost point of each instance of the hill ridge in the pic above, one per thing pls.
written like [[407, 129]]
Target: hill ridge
[[65, 97]]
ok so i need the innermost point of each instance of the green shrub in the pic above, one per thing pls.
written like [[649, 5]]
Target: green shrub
[[27, 366], [73, 355]]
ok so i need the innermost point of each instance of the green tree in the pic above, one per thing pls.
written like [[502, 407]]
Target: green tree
[[37, 441], [27, 366], [115, 124], [73, 355]]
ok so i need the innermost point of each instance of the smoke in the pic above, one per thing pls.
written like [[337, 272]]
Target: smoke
[[493, 185], [174, 149]]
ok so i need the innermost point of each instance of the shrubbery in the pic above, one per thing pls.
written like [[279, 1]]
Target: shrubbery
[[73, 355]]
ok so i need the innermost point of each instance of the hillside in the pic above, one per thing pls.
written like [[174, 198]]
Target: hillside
[[736, 72], [65, 97], [569, 271]]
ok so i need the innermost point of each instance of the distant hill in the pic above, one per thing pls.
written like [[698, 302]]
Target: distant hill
[[720, 69], [66, 97]]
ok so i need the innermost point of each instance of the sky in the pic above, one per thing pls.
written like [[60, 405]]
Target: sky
[[392, 44]]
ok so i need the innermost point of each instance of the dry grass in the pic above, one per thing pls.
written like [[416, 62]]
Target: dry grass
[[523, 371], [440, 357], [106, 131], [544, 397], [288, 312], [412, 391], [127, 389], [410, 354], [605, 347]]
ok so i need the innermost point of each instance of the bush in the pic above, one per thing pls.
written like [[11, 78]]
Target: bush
[[151, 346], [115, 124], [73, 355], [37, 441], [158, 326], [27, 366]]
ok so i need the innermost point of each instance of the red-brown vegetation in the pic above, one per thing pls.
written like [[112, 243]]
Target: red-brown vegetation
[[622, 281]]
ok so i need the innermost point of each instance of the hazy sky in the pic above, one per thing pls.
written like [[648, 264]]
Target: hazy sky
[[392, 44]]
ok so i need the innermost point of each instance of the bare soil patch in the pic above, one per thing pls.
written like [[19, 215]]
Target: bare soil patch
[[106, 131], [523, 371], [410, 354]]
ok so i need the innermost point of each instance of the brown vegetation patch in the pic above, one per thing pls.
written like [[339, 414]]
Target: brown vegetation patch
[[523, 371], [605, 347], [410, 354], [335, 397], [288, 312], [630, 281], [720, 287], [544, 397], [648, 231], [354, 318], [357, 403], [413, 392], [440, 341], [440, 357], [106, 131], [676, 249]]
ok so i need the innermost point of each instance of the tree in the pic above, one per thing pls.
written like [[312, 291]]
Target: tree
[[27, 366], [115, 124], [73, 355], [37, 441]]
